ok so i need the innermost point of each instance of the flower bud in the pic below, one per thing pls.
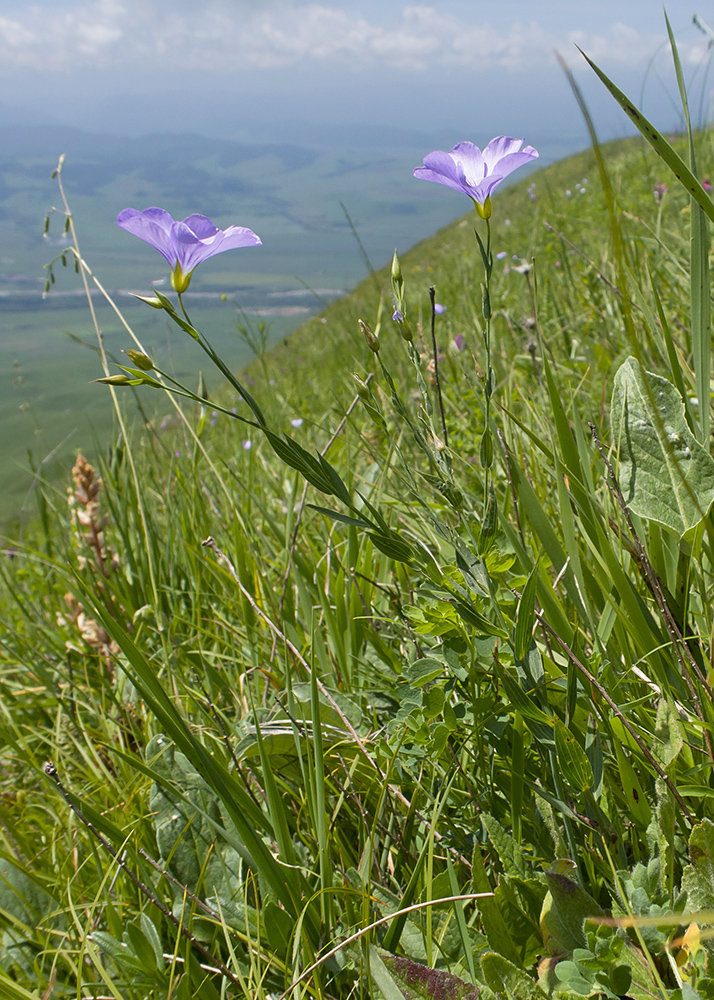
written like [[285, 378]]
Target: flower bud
[[396, 269], [363, 390], [150, 300], [369, 336], [140, 360], [115, 380], [404, 327]]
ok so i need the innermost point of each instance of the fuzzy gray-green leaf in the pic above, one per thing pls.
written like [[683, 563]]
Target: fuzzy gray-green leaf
[[665, 474]]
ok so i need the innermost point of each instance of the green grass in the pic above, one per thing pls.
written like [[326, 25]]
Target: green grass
[[295, 733]]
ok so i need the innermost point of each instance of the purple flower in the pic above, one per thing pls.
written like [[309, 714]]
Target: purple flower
[[466, 168], [185, 244], [439, 309]]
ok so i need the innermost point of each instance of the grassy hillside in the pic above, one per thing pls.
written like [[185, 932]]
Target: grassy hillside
[[286, 718]]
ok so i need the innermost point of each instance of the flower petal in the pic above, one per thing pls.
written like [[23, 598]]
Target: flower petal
[[184, 244], [502, 145], [201, 226], [466, 168], [153, 226]]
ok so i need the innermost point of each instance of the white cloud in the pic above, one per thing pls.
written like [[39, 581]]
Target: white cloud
[[226, 35]]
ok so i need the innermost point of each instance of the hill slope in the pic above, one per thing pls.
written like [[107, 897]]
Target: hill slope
[[282, 717]]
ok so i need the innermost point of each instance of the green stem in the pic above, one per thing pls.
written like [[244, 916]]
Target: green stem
[[487, 448], [223, 368]]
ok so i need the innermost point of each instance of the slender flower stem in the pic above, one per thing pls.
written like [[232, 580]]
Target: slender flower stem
[[486, 444], [223, 368], [435, 352]]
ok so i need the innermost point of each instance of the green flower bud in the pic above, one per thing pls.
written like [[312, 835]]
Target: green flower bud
[[369, 336], [116, 380], [140, 360], [150, 300], [396, 268], [363, 390]]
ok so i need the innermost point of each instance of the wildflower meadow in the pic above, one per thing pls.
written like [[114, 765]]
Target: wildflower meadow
[[384, 668]]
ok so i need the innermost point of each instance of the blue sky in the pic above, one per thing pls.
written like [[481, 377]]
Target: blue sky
[[240, 68]]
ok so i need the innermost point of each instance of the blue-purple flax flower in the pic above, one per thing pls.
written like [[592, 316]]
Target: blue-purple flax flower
[[475, 172], [185, 244]]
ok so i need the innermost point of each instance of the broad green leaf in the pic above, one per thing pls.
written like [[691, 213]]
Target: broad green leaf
[[507, 849], [565, 909], [419, 982], [495, 927], [21, 897], [668, 733], [118, 952], [186, 823], [698, 876], [382, 977], [665, 474], [508, 981], [422, 671]]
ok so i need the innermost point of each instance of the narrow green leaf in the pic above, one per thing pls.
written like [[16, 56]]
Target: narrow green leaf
[[657, 141], [487, 534], [482, 625], [11, 991], [393, 546], [525, 616], [335, 515], [396, 926], [282, 880], [517, 765], [572, 759], [276, 805], [639, 807], [460, 920], [381, 976], [494, 925], [699, 270]]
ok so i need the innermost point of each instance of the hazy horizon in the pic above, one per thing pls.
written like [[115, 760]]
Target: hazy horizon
[[236, 70]]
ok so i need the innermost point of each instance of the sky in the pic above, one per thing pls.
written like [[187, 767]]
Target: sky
[[270, 70]]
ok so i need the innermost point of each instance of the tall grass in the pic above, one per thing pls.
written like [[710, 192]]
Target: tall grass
[[302, 716]]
